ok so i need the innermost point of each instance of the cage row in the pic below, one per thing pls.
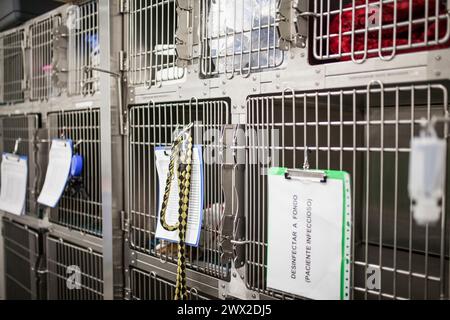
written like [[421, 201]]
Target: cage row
[[60, 52], [51, 55], [42, 266], [365, 131]]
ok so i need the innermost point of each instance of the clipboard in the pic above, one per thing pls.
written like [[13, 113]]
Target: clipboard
[[14, 179], [195, 213], [309, 233]]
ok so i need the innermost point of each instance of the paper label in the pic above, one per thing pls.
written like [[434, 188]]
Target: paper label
[[14, 172], [309, 236], [195, 211]]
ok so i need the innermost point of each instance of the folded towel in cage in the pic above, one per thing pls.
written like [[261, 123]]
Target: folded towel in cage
[[402, 24]]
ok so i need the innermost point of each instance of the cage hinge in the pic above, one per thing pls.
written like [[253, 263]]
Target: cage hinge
[[127, 293], [292, 17], [125, 222], [123, 61], [232, 226], [124, 6], [184, 35]]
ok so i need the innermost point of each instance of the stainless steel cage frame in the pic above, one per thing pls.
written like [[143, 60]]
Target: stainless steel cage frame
[[239, 37], [12, 68], [83, 48], [151, 126], [365, 131], [25, 127], [41, 57], [152, 43], [358, 30], [83, 127], [61, 255], [24, 262]]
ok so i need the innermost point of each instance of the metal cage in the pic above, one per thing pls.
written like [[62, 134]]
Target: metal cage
[[74, 272], [152, 55], [12, 76], [151, 126], [239, 37], [358, 30], [24, 127], [83, 48], [41, 57], [366, 132], [23, 249], [149, 286], [83, 213]]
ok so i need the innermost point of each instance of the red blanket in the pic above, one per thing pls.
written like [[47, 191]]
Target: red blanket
[[418, 31]]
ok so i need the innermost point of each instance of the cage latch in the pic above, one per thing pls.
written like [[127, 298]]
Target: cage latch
[[292, 20], [125, 223], [184, 36]]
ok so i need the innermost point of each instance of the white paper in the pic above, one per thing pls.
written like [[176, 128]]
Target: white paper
[[305, 238], [194, 225], [14, 172], [58, 170]]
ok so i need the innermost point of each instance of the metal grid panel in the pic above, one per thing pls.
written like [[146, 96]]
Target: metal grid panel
[[22, 255], [24, 128], [60, 256], [357, 30], [149, 286], [83, 127], [13, 76], [152, 43], [366, 132], [42, 39], [239, 37], [84, 49], [152, 126]]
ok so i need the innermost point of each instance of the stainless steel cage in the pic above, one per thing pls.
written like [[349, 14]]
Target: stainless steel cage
[[74, 272], [24, 127], [151, 126], [361, 29], [12, 76], [152, 54], [24, 260], [149, 286], [366, 132], [83, 48], [41, 57], [239, 37], [83, 213]]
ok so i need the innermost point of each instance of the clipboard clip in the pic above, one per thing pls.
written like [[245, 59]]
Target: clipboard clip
[[317, 176], [14, 154]]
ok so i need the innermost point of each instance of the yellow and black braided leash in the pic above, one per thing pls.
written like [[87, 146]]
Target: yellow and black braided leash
[[181, 155]]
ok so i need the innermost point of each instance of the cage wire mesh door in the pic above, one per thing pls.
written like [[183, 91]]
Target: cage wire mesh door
[[12, 77], [239, 37], [152, 126], [23, 258], [80, 212], [366, 132], [41, 55], [152, 55], [74, 272], [150, 286], [357, 30], [84, 48], [24, 127]]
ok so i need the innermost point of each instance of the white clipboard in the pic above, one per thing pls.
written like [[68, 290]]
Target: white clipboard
[[309, 233], [58, 170], [14, 172]]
